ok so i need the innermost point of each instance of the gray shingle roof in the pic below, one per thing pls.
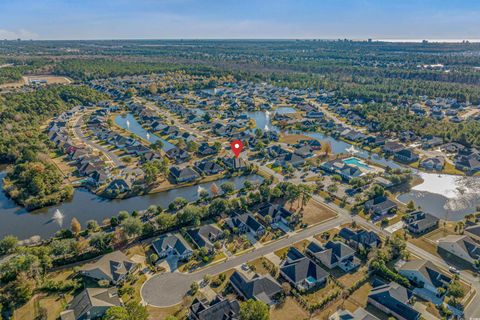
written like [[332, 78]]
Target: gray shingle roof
[[262, 288], [395, 297], [113, 265], [171, 241], [301, 269], [91, 297]]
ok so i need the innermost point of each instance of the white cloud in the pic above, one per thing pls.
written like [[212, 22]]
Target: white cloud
[[18, 34]]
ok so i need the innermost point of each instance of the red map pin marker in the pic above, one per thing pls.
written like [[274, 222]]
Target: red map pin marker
[[237, 147]]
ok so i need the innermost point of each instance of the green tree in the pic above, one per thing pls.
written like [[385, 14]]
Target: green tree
[[292, 193], [217, 207], [191, 214], [455, 290], [411, 206], [101, 241], [132, 226], [8, 244], [254, 310], [227, 187]]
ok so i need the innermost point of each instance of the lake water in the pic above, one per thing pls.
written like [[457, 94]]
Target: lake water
[[86, 206], [263, 118], [445, 196], [129, 123]]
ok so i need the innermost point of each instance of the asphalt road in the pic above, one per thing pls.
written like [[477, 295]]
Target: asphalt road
[[77, 130], [167, 289]]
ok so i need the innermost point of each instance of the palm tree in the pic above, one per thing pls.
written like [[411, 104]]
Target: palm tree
[[305, 194]]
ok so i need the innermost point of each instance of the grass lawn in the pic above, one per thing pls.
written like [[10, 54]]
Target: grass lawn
[[137, 249], [433, 309], [51, 304], [315, 212], [195, 264], [449, 168], [261, 265], [179, 311], [316, 296], [331, 234], [349, 279], [288, 310], [299, 245], [237, 244], [428, 241], [222, 286], [359, 297], [137, 285], [293, 138]]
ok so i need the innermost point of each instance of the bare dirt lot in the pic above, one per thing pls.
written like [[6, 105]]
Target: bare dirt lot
[[41, 79]]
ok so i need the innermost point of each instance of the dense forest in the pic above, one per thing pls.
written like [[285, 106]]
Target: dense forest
[[33, 181]]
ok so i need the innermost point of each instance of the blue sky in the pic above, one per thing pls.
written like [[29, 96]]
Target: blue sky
[[261, 19]]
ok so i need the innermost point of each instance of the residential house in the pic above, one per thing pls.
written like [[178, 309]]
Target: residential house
[[304, 152], [277, 213], [218, 309], [375, 141], [314, 144], [119, 185], [172, 245], [302, 272], [91, 303], [209, 167], [406, 155], [380, 206], [426, 276], [235, 163], [391, 147], [262, 288], [204, 149], [333, 254], [473, 232], [360, 239], [393, 299], [470, 164], [288, 159], [112, 267], [177, 154], [431, 142], [461, 246], [359, 314], [246, 223], [181, 175], [386, 183], [433, 163], [420, 222], [205, 236], [314, 115]]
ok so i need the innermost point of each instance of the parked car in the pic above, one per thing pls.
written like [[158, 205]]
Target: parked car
[[453, 270]]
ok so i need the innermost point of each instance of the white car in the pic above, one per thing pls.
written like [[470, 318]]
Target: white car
[[453, 270]]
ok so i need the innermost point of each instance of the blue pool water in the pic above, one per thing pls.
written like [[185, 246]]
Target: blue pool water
[[356, 162], [311, 279]]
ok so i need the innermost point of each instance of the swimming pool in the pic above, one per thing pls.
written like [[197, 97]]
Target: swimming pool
[[356, 162], [311, 280]]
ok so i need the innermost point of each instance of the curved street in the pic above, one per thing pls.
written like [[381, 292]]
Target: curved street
[[167, 289]]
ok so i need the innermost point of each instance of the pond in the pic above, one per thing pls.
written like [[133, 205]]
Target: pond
[[445, 196], [87, 206], [263, 118], [129, 123]]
